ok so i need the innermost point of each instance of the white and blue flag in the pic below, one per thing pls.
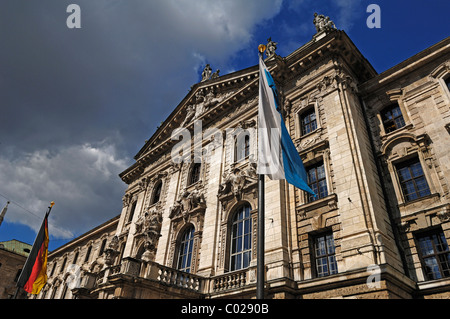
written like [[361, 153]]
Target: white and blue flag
[[277, 156]]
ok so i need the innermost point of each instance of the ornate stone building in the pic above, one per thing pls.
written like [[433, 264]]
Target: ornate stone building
[[376, 150]]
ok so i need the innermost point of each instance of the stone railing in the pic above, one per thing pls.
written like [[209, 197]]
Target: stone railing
[[233, 280], [179, 279], [176, 278]]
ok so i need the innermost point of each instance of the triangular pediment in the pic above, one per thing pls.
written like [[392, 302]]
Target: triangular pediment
[[206, 101]]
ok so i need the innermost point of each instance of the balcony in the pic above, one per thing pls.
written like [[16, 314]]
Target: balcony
[[153, 275]]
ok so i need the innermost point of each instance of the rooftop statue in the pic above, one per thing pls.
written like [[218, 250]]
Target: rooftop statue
[[323, 23]]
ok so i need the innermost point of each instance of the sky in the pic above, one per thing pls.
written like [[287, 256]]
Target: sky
[[77, 104]]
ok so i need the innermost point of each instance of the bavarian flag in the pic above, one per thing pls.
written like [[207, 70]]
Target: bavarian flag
[[34, 273], [277, 156]]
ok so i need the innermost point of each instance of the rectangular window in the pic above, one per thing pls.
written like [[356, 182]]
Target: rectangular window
[[324, 255], [434, 255], [392, 118], [308, 122], [412, 180], [195, 174], [317, 181]]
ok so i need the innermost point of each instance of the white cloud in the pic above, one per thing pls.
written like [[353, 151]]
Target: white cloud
[[81, 179]]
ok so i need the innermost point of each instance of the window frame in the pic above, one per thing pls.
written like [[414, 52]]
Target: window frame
[[241, 154], [187, 238], [307, 113], [327, 255], [132, 211], [309, 197], [193, 173], [390, 108], [407, 163], [156, 194], [438, 232], [241, 254]]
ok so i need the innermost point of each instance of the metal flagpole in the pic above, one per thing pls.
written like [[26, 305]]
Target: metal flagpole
[[260, 265], [260, 271]]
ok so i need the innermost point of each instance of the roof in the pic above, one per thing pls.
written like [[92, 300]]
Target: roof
[[16, 246]]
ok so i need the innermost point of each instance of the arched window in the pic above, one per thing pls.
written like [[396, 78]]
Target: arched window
[[241, 239], [88, 254], [102, 247], [157, 193], [185, 250], [242, 149], [75, 258], [194, 175], [63, 265]]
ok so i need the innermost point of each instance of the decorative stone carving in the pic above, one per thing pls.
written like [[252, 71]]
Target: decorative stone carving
[[126, 199], [149, 226], [112, 251], [444, 215], [271, 47], [188, 202], [215, 75], [143, 183], [203, 102], [323, 23], [235, 181], [208, 75]]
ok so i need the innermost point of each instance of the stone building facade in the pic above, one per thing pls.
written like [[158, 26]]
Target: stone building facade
[[13, 254], [376, 150]]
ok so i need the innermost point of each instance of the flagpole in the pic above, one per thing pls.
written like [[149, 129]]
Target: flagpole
[[260, 263], [46, 216], [260, 271]]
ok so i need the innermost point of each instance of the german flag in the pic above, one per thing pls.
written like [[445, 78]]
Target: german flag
[[34, 273]]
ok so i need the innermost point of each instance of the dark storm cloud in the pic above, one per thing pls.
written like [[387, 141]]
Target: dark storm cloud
[[77, 104]]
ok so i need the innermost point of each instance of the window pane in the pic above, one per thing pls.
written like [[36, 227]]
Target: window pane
[[426, 246], [185, 250], [312, 175], [308, 122], [247, 226], [247, 242], [317, 181], [392, 118], [330, 244], [404, 174], [325, 259], [435, 255], [320, 246], [323, 191], [416, 169], [241, 239], [412, 180], [333, 265], [246, 259], [432, 268]]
